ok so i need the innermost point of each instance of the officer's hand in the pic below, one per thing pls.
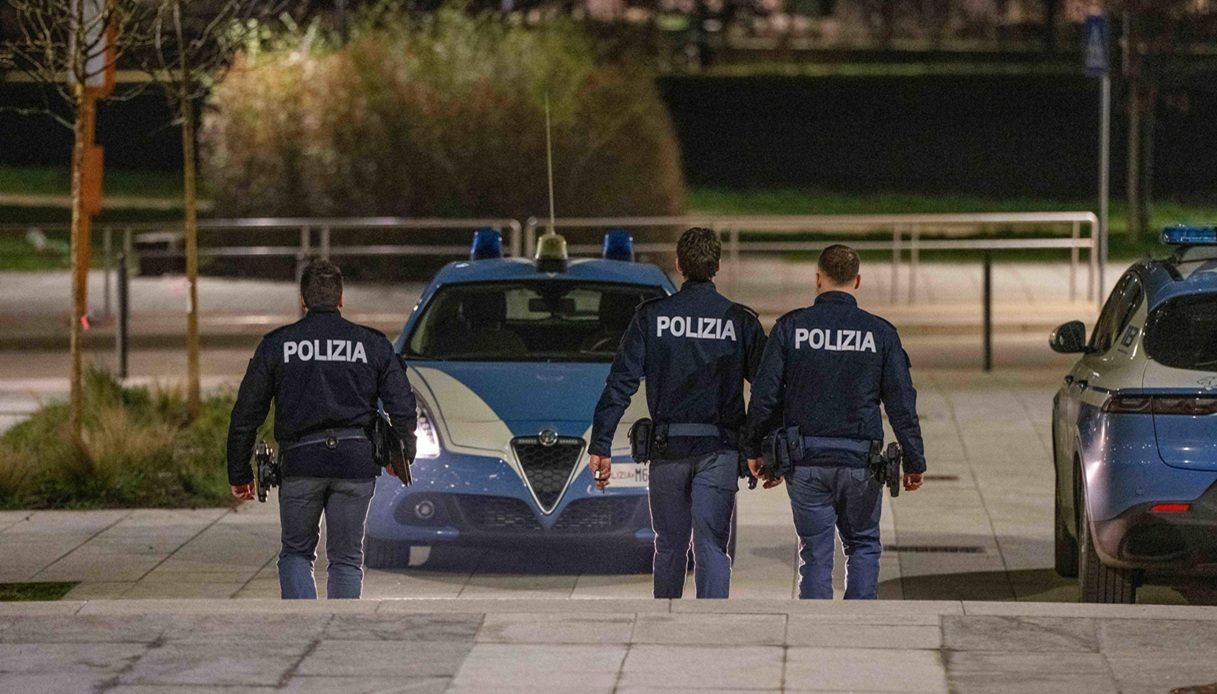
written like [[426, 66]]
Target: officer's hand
[[244, 492], [912, 481], [754, 467], [389, 469], [772, 482], [602, 468]]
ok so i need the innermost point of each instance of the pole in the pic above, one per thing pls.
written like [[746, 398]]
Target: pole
[[124, 315], [1104, 181], [988, 299]]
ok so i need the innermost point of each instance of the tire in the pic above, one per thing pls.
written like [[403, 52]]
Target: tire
[[1066, 560], [1099, 582], [386, 554]]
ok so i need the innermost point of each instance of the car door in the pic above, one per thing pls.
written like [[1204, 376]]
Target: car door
[[1086, 386]]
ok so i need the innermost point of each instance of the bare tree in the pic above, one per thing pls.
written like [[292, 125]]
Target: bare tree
[[1150, 30], [71, 47], [193, 45]]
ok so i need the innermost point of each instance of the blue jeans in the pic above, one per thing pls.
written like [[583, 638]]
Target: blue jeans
[[844, 499], [693, 496], [345, 504]]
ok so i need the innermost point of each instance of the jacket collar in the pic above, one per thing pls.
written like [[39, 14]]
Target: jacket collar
[[698, 285], [323, 309], [837, 298]]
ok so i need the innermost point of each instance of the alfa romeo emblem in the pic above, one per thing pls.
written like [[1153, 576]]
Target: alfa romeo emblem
[[549, 437]]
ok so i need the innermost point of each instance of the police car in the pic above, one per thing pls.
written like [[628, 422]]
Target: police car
[[507, 357], [1135, 426]]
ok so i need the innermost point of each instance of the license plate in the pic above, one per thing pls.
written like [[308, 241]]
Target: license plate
[[630, 475]]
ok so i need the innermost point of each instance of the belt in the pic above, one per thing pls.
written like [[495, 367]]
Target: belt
[[329, 437], [812, 443], [694, 430]]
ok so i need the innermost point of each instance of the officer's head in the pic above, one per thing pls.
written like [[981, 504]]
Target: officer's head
[[697, 254], [837, 270], [321, 285]]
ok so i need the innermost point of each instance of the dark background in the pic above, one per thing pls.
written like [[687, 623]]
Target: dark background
[[997, 136]]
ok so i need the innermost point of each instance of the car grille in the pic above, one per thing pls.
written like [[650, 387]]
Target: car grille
[[598, 514], [498, 513], [547, 468]]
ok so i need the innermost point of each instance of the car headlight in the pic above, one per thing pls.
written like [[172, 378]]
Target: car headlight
[[427, 441]]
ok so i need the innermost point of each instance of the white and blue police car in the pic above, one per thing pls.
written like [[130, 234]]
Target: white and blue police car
[[1135, 427], [508, 357]]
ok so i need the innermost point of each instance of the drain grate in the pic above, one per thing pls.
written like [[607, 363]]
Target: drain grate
[[940, 478], [935, 549]]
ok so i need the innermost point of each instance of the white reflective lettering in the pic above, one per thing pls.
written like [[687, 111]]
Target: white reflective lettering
[[662, 323], [359, 354], [306, 350], [816, 340], [835, 340], [289, 348], [868, 342], [695, 327]]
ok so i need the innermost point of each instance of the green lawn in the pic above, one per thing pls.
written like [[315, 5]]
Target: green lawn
[[782, 201], [118, 182], [20, 592]]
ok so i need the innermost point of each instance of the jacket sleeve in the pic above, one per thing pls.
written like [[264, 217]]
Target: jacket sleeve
[[756, 349], [623, 379], [900, 403], [764, 407], [397, 398], [253, 403]]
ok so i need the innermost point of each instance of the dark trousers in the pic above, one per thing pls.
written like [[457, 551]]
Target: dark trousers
[[302, 500], [831, 499], [693, 497]]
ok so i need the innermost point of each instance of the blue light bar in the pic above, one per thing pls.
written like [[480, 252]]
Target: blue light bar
[[618, 245], [487, 243], [1184, 235]]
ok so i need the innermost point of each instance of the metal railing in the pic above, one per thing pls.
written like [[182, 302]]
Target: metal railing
[[740, 235]]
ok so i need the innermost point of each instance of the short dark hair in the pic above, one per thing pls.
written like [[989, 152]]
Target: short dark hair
[[840, 263], [321, 284], [698, 252]]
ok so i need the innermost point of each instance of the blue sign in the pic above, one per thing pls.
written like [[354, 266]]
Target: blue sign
[[1097, 58]]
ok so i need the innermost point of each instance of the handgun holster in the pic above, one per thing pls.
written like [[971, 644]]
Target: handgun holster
[[641, 437]]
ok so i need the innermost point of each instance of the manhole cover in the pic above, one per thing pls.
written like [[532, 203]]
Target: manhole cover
[[935, 549]]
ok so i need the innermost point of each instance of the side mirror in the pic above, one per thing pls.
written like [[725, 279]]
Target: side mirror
[[1069, 338]]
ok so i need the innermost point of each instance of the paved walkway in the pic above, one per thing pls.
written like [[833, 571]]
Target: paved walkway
[[608, 645], [981, 529]]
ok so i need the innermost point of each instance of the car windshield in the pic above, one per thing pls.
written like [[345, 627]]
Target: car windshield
[[1182, 333], [539, 320]]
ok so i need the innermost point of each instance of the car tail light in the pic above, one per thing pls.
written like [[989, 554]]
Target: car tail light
[[1170, 508], [1191, 405]]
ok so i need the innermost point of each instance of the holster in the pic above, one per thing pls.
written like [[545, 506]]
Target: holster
[[885, 466], [267, 470], [390, 450], [776, 453], [641, 439]]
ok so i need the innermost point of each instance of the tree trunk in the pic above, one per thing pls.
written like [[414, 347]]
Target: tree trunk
[[191, 231], [1135, 149], [1148, 121], [83, 137], [1050, 14]]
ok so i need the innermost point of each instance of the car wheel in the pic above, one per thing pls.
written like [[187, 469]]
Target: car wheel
[[386, 554], [1066, 563], [1099, 582]]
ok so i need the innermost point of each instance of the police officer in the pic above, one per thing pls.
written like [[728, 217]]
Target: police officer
[[695, 349], [325, 375], [825, 371]]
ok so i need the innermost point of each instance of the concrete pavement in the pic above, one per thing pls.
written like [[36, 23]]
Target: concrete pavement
[[606, 645], [981, 529]]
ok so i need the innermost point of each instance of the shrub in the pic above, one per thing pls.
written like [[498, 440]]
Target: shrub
[[139, 448], [439, 115]]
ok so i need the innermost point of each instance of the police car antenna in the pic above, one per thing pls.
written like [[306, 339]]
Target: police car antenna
[[549, 165]]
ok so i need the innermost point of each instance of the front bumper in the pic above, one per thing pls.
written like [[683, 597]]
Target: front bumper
[[475, 501]]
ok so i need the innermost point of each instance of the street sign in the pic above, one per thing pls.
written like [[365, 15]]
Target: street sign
[[1097, 60]]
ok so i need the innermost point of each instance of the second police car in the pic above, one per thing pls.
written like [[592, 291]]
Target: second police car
[[1135, 426], [507, 357]]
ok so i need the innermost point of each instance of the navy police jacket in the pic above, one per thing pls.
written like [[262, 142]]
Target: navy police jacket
[[826, 369], [695, 348], [323, 373]]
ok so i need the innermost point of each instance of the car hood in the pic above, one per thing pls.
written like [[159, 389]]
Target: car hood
[[482, 405]]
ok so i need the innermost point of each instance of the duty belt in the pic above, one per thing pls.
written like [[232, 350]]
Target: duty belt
[[819, 443], [329, 438], [694, 430]]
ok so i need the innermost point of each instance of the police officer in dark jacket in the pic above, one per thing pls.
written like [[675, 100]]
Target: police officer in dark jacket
[[325, 375], [826, 369], [695, 349]]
